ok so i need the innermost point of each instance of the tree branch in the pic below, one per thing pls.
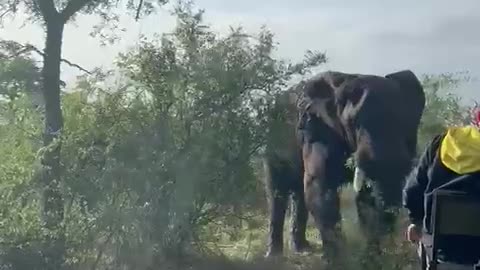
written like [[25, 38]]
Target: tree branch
[[5, 13], [72, 7], [47, 8], [139, 8], [35, 49], [28, 48]]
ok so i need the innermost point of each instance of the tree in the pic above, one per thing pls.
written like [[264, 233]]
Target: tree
[[443, 106], [54, 15]]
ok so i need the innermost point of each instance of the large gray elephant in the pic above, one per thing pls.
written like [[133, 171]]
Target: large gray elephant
[[315, 127]]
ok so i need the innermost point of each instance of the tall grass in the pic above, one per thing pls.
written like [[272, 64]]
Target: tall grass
[[242, 246]]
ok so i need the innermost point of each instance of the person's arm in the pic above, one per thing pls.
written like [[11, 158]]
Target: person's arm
[[413, 192]]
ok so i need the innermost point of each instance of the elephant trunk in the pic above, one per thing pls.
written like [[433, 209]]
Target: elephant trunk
[[386, 163]]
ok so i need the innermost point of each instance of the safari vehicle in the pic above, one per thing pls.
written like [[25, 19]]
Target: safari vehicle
[[455, 215]]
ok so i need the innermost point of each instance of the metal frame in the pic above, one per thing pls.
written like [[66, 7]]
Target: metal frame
[[441, 197]]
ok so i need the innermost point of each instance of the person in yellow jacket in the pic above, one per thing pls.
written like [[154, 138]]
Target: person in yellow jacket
[[452, 154]]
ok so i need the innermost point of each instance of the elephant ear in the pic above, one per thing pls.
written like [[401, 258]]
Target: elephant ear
[[412, 90], [406, 79]]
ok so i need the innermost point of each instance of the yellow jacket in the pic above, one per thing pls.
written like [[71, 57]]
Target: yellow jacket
[[460, 149]]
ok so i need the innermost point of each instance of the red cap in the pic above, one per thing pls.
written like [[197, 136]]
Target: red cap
[[476, 116]]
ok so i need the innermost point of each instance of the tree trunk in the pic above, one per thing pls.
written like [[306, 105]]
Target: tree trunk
[[53, 206]]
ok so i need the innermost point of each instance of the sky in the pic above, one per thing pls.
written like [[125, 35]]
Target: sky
[[368, 36]]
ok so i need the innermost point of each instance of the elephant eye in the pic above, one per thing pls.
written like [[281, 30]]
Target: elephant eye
[[308, 107], [304, 120]]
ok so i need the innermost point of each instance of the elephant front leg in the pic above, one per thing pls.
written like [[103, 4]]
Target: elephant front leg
[[278, 206], [324, 172], [375, 223], [373, 210], [324, 205], [299, 219], [368, 215]]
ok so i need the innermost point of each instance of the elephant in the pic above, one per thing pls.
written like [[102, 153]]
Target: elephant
[[314, 127]]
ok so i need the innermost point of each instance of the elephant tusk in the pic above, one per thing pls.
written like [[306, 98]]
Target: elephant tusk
[[358, 180]]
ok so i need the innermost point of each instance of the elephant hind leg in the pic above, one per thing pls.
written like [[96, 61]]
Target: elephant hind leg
[[299, 218], [277, 191], [278, 207]]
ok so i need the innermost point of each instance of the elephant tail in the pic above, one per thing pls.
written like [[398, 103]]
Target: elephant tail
[[358, 180]]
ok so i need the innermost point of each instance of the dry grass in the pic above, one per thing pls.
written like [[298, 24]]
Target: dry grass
[[244, 248]]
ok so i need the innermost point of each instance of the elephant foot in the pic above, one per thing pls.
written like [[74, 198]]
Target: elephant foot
[[333, 248], [301, 246], [273, 252]]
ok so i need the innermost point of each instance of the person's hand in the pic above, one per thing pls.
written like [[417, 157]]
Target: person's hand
[[414, 233]]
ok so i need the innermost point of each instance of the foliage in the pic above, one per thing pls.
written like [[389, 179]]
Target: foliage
[[53, 16], [150, 162], [19, 202], [18, 73], [443, 107], [69, 8]]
